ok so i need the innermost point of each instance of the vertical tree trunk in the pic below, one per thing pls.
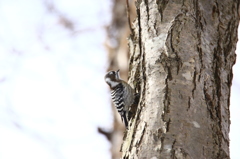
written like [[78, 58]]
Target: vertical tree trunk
[[182, 53]]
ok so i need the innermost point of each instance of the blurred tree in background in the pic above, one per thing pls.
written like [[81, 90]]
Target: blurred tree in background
[[118, 56]]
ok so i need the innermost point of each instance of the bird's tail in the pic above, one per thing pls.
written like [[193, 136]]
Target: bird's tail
[[124, 119]]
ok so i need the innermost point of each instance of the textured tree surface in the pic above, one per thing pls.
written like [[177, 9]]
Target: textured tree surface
[[181, 58]]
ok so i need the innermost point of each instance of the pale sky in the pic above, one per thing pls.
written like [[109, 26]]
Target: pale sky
[[52, 93]]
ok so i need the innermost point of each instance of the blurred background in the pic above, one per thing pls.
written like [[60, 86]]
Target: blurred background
[[54, 103]]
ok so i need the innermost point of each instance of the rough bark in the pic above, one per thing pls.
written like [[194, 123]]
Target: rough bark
[[181, 58]]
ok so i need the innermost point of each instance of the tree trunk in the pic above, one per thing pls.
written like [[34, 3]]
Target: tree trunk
[[181, 58]]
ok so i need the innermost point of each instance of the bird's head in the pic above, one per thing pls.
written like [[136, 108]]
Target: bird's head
[[112, 78]]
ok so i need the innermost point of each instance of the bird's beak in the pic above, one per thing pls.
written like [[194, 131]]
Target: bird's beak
[[117, 76]]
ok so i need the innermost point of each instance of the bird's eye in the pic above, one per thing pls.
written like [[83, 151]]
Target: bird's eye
[[110, 73]]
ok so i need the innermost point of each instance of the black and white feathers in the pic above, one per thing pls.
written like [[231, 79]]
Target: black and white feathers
[[122, 94]]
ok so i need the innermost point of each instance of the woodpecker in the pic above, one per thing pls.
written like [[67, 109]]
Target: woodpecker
[[122, 94]]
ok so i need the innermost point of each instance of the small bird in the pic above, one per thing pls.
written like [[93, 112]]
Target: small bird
[[122, 94]]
